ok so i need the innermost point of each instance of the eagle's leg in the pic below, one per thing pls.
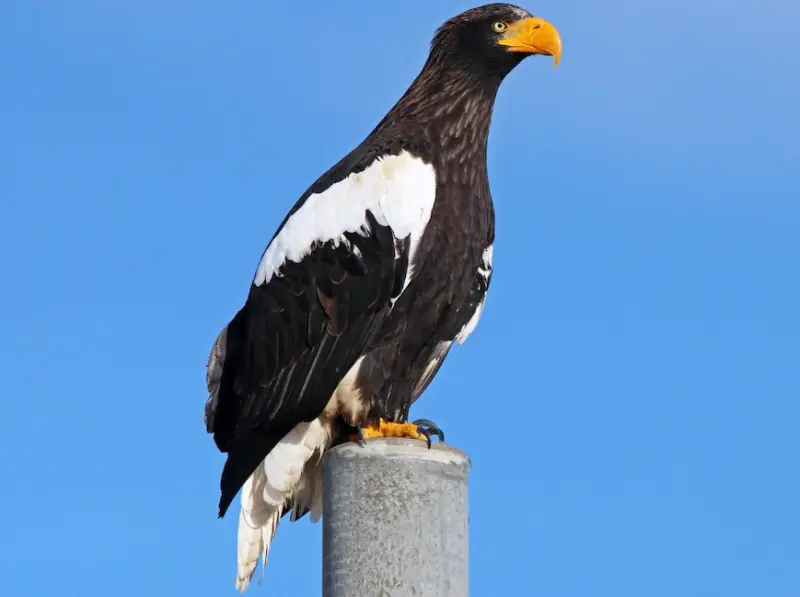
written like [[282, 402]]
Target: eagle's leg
[[422, 429]]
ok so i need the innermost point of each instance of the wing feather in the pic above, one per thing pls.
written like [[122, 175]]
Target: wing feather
[[280, 359], [323, 288]]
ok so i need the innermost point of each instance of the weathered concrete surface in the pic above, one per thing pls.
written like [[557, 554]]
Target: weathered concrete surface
[[395, 520]]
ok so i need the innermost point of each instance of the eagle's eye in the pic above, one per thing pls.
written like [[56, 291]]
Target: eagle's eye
[[499, 26]]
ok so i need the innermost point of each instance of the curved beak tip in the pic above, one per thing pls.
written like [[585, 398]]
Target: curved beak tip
[[534, 35], [552, 43]]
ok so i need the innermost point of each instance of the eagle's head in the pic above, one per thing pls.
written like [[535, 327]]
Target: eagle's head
[[492, 39]]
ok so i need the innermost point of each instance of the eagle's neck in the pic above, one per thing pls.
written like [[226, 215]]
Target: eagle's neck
[[450, 109]]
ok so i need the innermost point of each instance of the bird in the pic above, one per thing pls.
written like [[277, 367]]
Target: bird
[[380, 267]]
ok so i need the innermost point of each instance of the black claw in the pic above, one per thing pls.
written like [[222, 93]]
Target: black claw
[[429, 428], [427, 436]]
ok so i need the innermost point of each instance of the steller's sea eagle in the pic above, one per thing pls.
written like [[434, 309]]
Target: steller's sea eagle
[[378, 268]]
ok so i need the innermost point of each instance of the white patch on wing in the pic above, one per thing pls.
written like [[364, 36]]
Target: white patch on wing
[[485, 270], [486, 262], [278, 481], [399, 190]]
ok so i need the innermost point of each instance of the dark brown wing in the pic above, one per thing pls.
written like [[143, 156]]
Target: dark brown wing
[[281, 357]]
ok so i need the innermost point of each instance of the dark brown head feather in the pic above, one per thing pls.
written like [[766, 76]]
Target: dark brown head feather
[[450, 102]]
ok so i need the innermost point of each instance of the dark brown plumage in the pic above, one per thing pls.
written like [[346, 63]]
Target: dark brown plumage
[[381, 265]]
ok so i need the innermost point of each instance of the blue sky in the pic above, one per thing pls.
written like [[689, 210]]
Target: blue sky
[[640, 349]]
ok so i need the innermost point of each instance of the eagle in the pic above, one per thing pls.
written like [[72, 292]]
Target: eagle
[[376, 271]]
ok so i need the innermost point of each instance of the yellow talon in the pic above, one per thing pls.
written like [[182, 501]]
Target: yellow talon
[[388, 429]]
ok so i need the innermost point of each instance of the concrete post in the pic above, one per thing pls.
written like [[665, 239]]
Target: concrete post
[[395, 520]]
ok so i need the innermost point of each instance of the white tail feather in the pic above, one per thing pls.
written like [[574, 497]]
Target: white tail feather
[[254, 543], [288, 475]]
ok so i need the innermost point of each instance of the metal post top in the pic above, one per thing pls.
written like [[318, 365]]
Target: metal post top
[[401, 449], [396, 520]]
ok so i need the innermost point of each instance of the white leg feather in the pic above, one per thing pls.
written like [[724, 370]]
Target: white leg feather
[[288, 475], [308, 495]]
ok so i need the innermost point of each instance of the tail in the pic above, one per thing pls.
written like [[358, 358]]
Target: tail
[[258, 522], [290, 478]]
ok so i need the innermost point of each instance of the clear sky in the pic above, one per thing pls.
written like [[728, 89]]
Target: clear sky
[[631, 397]]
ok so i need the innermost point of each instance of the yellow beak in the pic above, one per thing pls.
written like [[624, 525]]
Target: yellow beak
[[533, 36]]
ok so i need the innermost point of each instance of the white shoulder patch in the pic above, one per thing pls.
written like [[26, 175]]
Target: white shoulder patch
[[399, 191], [484, 270]]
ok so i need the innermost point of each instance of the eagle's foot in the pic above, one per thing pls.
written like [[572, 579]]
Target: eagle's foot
[[429, 428], [421, 429]]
